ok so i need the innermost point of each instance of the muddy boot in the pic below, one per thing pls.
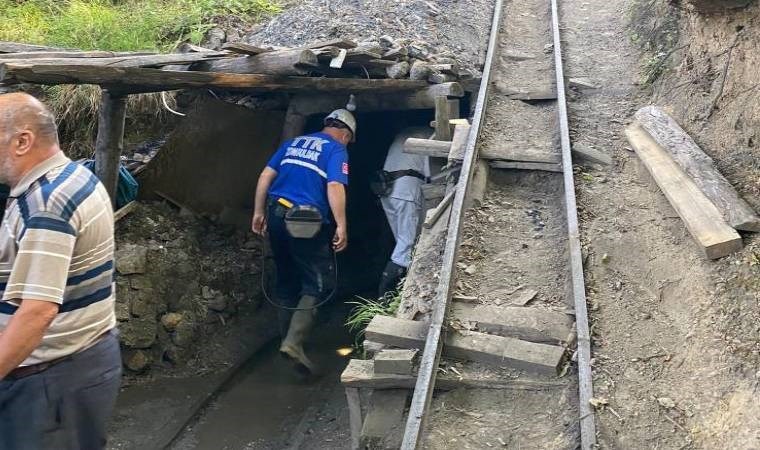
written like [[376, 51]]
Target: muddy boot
[[390, 278], [300, 325]]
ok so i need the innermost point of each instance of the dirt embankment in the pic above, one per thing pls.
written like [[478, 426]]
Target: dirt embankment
[[676, 337]]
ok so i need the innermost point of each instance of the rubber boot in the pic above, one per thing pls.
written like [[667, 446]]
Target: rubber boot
[[390, 278], [300, 326]]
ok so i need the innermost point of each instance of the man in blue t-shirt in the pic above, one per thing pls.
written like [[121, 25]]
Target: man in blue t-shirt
[[306, 174]]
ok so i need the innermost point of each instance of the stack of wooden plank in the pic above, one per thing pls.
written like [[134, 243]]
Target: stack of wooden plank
[[707, 203], [339, 58]]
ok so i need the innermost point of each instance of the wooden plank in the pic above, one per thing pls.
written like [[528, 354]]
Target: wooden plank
[[459, 142], [354, 415], [423, 390], [337, 62], [427, 147], [534, 96], [517, 165], [17, 47], [152, 80], [340, 43], [442, 116], [71, 54], [530, 324], [591, 155], [361, 374], [699, 166], [384, 420], [110, 140], [433, 215], [479, 184], [125, 210], [703, 220], [127, 60], [586, 411], [280, 62], [471, 346], [521, 154], [245, 49], [396, 361]]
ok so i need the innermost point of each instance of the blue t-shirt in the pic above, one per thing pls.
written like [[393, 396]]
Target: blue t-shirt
[[304, 166]]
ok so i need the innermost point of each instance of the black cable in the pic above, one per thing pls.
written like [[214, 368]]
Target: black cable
[[287, 308]]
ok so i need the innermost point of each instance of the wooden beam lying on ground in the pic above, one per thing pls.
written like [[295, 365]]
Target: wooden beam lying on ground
[[98, 54], [517, 165], [530, 324], [434, 214], [124, 210], [152, 80], [701, 217], [361, 373], [470, 346], [245, 49], [699, 166]]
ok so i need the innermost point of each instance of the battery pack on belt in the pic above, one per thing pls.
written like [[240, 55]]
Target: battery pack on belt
[[301, 221]]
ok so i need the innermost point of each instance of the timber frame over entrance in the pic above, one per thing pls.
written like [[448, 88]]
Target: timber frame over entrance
[[317, 78]]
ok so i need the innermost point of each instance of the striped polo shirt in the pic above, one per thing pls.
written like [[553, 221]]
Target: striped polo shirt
[[56, 244]]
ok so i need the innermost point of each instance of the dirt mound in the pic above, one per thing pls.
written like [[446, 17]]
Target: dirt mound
[[179, 280], [435, 26]]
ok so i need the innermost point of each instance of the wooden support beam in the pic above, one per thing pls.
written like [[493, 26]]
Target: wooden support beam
[[442, 149], [479, 184], [518, 165], [280, 62], [245, 49], [703, 220], [699, 166], [110, 140], [442, 116], [433, 215], [16, 47], [459, 141], [427, 147], [384, 421], [133, 80], [530, 324], [293, 125], [422, 97], [361, 374], [125, 60], [471, 346], [354, 415]]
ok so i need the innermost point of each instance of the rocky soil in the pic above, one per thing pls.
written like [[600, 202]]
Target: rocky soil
[[180, 280]]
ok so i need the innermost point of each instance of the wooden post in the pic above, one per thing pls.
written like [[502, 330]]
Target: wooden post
[[442, 116], [110, 140], [354, 416]]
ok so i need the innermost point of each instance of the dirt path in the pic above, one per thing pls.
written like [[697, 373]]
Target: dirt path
[[659, 360]]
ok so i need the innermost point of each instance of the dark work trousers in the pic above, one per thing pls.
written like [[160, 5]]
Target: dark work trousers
[[304, 266], [66, 407]]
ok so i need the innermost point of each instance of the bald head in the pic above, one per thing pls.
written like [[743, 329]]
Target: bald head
[[28, 135]]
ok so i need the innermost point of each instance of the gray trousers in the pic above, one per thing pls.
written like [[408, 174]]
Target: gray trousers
[[66, 407], [405, 219]]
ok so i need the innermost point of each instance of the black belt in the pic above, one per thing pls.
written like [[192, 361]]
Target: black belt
[[27, 371]]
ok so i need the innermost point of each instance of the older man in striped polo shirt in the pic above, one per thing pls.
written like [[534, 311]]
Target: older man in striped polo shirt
[[60, 366]]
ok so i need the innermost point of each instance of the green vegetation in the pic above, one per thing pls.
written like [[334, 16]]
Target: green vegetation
[[121, 25], [116, 25], [363, 313], [653, 27]]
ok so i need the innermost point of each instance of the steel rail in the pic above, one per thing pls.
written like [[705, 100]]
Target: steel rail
[[585, 387], [423, 390]]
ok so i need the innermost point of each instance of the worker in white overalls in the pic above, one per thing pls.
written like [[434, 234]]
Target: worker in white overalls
[[400, 191]]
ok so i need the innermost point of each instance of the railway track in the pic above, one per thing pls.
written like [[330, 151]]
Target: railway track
[[531, 126]]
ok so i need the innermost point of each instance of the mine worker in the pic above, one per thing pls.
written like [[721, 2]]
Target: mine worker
[[403, 203], [301, 204], [60, 364]]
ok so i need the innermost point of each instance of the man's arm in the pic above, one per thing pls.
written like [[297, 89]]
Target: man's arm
[[24, 333], [262, 189], [336, 195]]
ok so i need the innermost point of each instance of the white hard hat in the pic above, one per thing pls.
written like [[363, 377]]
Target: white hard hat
[[344, 116]]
